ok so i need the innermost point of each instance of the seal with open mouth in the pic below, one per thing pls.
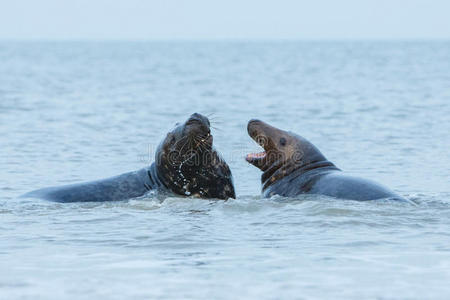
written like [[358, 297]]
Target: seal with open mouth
[[292, 165], [186, 163]]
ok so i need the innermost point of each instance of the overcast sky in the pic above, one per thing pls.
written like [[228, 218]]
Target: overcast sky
[[224, 19]]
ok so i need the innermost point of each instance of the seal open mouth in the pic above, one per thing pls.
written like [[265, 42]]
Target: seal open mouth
[[256, 131], [258, 159]]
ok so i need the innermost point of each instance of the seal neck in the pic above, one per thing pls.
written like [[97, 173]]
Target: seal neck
[[275, 173], [154, 181]]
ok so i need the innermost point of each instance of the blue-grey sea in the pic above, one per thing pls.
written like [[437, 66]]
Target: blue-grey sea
[[79, 111]]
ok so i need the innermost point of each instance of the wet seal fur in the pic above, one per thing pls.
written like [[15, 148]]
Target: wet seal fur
[[292, 165], [186, 163]]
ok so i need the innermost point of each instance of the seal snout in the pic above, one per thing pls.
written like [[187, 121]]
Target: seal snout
[[197, 127], [254, 121], [196, 117], [198, 122], [252, 127]]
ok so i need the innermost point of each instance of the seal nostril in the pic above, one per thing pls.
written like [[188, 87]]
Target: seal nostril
[[199, 119], [251, 126], [193, 120], [254, 121]]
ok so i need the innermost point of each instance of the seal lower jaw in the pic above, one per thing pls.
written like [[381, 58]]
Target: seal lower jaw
[[259, 160]]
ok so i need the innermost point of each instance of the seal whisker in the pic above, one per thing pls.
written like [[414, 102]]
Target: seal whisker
[[197, 141], [182, 139], [215, 120], [203, 145], [184, 145]]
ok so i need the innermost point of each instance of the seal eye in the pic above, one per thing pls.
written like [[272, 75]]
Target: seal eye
[[283, 141]]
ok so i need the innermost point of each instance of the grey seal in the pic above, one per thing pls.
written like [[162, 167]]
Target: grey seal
[[186, 163], [292, 165]]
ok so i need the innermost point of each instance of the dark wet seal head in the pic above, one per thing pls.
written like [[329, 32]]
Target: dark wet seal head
[[186, 142], [284, 152], [188, 164]]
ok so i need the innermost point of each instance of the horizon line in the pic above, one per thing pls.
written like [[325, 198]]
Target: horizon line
[[226, 39]]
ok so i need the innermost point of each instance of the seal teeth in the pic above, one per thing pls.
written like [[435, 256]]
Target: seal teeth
[[255, 156]]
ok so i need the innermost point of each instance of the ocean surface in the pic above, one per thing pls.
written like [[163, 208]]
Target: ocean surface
[[79, 111]]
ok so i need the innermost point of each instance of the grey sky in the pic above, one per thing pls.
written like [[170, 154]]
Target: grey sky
[[213, 19]]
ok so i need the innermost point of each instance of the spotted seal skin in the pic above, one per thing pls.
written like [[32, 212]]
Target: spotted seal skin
[[186, 163], [292, 165]]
